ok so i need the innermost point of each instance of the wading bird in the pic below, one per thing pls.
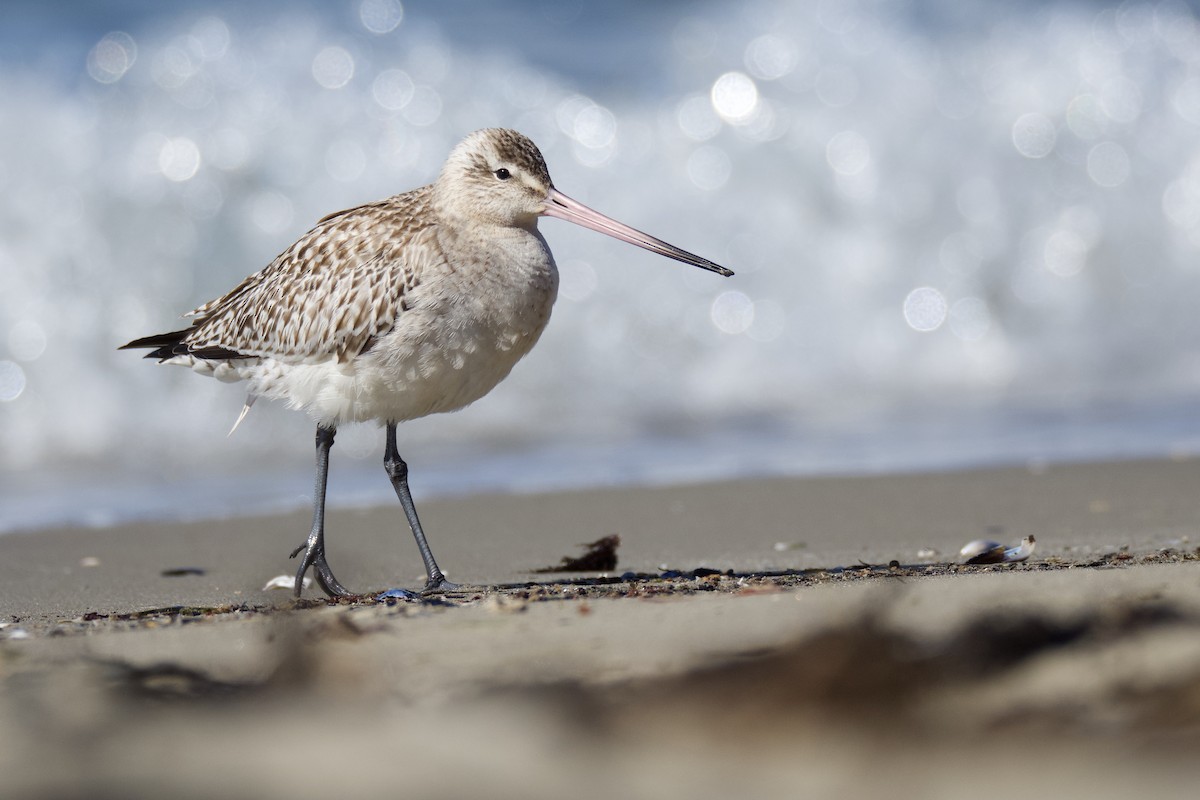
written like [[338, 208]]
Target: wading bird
[[409, 306]]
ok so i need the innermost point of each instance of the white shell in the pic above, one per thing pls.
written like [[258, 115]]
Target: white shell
[[985, 551], [285, 582], [1022, 551]]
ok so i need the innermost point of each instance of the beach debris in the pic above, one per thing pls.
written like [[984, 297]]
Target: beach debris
[[782, 547], [601, 556], [11, 632], [89, 561], [176, 572], [927, 554], [285, 582], [985, 551], [397, 594]]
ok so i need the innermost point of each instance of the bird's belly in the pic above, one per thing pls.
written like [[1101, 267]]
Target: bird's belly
[[412, 380], [429, 363]]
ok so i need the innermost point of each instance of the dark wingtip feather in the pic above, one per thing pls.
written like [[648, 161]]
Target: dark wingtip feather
[[157, 340], [165, 345], [169, 345]]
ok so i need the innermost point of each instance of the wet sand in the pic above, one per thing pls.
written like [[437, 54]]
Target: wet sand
[[806, 636]]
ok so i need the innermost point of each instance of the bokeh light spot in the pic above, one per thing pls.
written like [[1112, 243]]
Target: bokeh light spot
[[381, 16], [211, 37], [179, 159], [732, 312], [925, 309], [770, 57], [333, 67], [1034, 135], [111, 57], [734, 96], [595, 126], [1181, 202], [393, 89], [12, 381], [1065, 253], [848, 153]]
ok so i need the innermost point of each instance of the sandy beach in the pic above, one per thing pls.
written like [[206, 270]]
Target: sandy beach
[[802, 636]]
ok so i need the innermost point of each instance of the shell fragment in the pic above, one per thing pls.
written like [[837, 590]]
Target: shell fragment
[[984, 551], [285, 582]]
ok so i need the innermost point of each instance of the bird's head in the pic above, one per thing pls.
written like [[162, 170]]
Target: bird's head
[[496, 176]]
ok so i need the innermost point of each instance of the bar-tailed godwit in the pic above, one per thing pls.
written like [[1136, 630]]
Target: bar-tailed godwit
[[413, 305]]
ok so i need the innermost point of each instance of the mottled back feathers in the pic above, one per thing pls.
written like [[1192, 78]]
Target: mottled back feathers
[[329, 294]]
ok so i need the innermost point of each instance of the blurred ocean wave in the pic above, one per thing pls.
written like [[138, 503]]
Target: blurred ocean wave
[[957, 227]]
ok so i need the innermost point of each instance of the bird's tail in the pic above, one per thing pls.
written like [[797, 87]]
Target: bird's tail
[[169, 345], [166, 345]]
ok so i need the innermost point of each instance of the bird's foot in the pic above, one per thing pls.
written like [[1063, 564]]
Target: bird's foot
[[314, 557], [438, 584], [330, 584]]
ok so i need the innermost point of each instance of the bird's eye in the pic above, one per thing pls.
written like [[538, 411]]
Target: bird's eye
[[502, 174]]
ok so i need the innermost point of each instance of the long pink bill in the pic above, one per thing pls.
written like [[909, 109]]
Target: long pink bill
[[560, 206]]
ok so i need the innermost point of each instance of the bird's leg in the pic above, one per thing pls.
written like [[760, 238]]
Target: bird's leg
[[397, 470], [314, 548]]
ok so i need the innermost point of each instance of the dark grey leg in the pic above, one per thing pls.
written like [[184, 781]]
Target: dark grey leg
[[397, 470], [314, 548]]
